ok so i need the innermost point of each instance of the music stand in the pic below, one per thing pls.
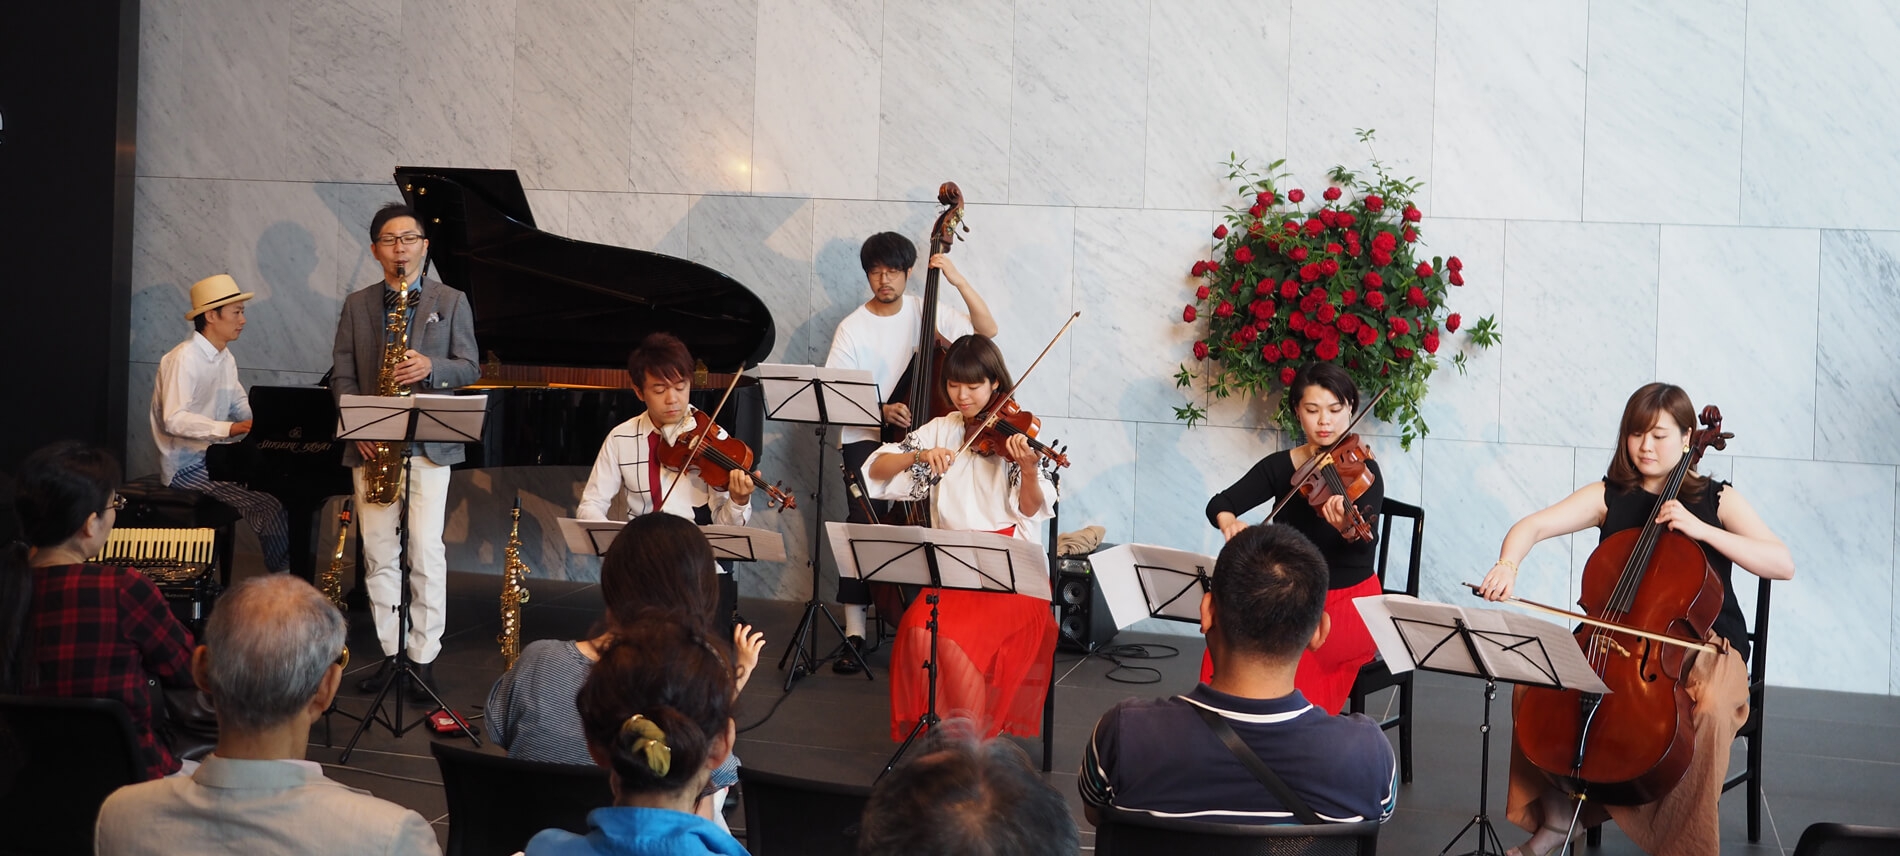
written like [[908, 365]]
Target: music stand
[[729, 543], [938, 559], [1140, 581], [822, 397], [1491, 644], [407, 420]]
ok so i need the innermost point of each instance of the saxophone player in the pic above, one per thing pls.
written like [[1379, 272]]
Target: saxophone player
[[441, 356]]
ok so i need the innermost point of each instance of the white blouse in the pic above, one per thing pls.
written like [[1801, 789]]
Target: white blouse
[[977, 493]]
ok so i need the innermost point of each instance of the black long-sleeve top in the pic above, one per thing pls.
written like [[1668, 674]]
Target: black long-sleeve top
[[1350, 562]]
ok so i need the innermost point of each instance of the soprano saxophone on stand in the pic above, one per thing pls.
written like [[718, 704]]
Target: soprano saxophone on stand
[[330, 581], [513, 594], [382, 472]]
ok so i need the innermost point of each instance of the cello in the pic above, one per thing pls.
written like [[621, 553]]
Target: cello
[[1632, 746], [921, 387]]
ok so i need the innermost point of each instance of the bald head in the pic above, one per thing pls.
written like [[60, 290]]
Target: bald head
[[268, 644]]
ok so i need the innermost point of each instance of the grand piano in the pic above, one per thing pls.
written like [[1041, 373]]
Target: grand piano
[[555, 319]]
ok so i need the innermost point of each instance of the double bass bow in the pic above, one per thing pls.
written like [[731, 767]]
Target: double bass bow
[[1632, 746]]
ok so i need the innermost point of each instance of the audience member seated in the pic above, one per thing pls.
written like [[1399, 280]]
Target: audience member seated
[[272, 659], [965, 796], [659, 561], [80, 630], [1265, 607], [657, 712]]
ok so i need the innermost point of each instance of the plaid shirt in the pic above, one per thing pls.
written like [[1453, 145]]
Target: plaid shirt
[[103, 632]]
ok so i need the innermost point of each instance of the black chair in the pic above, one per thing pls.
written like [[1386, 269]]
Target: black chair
[[1119, 832], [789, 815], [497, 803], [59, 760], [1846, 839], [1374, 676], [1750, 730]]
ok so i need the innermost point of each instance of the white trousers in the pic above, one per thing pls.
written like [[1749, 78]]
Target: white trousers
[[428, 496]]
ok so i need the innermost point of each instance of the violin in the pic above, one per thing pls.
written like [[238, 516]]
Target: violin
[[1339, 470], [1632, 746], [728, 453], [991, 435]]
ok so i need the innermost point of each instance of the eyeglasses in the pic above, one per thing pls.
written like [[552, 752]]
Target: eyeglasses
[[117, 503], [407, 240], [343, 659]]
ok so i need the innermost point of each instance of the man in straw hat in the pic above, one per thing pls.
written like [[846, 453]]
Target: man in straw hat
[[197, 401]]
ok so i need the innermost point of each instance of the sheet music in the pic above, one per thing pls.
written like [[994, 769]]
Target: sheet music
[[590, 537], [791, 395], [442, 418], [1511, 646], [744, 544], [1140, 581], [981, 561]]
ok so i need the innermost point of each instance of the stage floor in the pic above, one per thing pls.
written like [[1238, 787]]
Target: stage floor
[[1829, 756]]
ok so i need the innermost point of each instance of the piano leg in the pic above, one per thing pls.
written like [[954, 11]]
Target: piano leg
[[302, 514]]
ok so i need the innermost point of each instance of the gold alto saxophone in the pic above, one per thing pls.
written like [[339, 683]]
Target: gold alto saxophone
[[330, 582], [382, 472], [513, 594]]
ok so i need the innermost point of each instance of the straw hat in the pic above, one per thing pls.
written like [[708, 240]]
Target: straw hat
[[213, 292]]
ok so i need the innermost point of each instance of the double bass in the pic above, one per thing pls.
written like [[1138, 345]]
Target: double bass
[[1632, 746], [921, 387]]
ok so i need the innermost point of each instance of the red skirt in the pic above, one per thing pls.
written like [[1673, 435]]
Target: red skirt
[[1326, 676], [994, 653]]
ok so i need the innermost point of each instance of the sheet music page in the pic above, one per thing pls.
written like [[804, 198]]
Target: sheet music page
[[589, 537], [965, 560], [450, 418], [1376, 611], [372, 417], [745, 544], [1135, 579], [1559, 650], [1429, 633]]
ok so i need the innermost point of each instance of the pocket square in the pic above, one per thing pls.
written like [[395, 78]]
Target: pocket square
[[434, 317]]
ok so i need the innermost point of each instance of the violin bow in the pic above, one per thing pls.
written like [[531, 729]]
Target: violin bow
[[1314, 461], [996, 407], [1598, 622], [699, 440]]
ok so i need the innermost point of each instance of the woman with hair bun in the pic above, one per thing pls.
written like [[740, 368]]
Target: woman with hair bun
[[657, 710]]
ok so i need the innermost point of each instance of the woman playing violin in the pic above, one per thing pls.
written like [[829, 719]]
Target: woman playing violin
[[1652, 438], [1325, 399], [994, 649]]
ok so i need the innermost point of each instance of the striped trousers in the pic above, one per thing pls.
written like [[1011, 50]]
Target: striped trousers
[[261, 510]]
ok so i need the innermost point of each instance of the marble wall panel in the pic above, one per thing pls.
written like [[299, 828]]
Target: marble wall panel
[[1584, 296], [1508, 102], [945, 112], [1664, 119], [1893, 684], [1857, 394], [1837, 521], [644, 221], [274, 238], [695, 66], [817, 98], [1716, 288], [344, 92], [351, 206], [1388, 89], [1464, 405], [766, 244], [1177, 469], [549, 208], [1818, 115], [212, 88], [1021, 262], [1217, 87], [1131, 274], [458, 91], [1078, 114], [574, 86], [1099, 488], [1473, 493]]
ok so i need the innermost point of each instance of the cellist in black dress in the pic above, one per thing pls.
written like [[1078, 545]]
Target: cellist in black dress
[[1652, 439], [1325, 399]]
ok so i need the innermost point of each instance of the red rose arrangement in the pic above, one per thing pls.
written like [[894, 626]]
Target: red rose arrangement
[[1336, 283]]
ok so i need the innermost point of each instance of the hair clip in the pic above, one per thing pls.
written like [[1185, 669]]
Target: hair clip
[[650, 740]]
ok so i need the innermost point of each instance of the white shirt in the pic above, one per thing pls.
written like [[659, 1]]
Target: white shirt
[[622, 469], [884, 345], [976, 493], [194, 401]]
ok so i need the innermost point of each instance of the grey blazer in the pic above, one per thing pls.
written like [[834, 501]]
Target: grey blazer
[[250, 808], [443, 331]]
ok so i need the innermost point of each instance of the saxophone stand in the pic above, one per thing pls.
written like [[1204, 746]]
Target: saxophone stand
[[938, 559], [410, 419], [811, 394], [1488, 644]]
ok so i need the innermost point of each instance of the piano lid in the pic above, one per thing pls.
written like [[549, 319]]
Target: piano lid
[[541, 299]]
